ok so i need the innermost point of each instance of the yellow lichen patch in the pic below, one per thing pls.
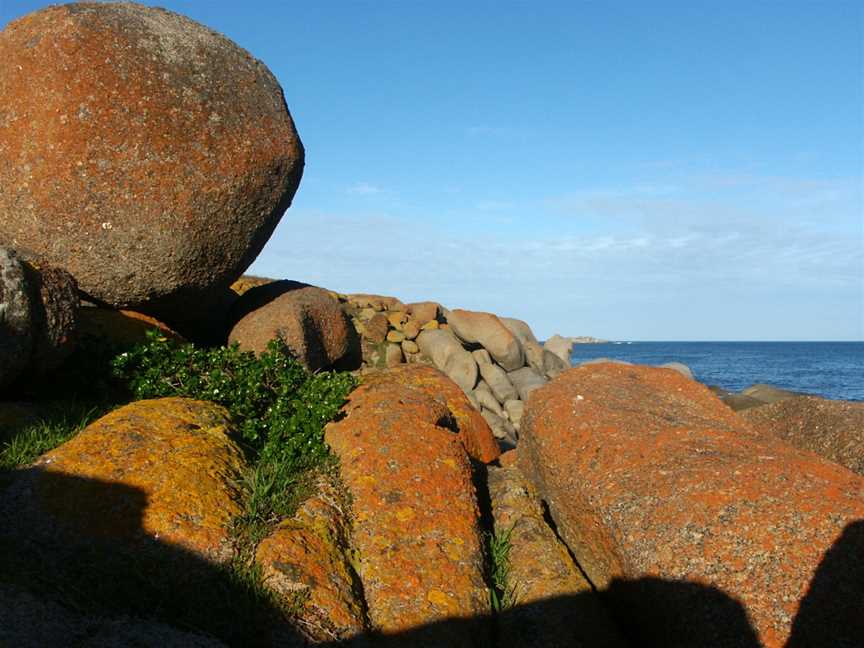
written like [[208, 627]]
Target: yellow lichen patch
[[247, 282], [170, 463], [416, 526], [310, 552], [438, 598], [404, 514]]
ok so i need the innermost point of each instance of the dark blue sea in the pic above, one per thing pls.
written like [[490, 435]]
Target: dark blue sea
[[828, 369]]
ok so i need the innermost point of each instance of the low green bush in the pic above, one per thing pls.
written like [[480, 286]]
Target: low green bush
[[278, 407]]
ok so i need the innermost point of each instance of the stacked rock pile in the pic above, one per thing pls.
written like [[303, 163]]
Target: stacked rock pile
[[388, 328], [497, 361]]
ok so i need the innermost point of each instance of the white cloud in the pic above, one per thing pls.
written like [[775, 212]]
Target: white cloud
[[663, 267]]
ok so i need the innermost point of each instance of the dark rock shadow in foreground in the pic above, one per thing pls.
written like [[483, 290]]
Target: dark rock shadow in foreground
[[112, 569]]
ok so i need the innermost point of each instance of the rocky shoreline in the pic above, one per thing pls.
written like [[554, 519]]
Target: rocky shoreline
[[384, 473]]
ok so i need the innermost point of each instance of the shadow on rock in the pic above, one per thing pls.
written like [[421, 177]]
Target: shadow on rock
[[536, 624], [660, 613], [832, 611], [89, 576]]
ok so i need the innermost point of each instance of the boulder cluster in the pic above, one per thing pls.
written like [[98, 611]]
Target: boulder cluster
[[482, 492], [496, 361]]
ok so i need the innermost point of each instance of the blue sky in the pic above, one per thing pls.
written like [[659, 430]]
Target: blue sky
[[629, 170]]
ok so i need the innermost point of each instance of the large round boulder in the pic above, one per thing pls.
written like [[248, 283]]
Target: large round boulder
[[146, 154], [306, 318]]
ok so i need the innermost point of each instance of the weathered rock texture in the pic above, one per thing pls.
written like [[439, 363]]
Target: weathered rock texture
[[188, 505], [247, 282], [308, 319], [142, 152], [767, 393], [415, 529], [652, 482], [132, 517], [16, 332], [308, 556], [560, 346], [833, 429], [38, 316], [541, 570], [429, 383]]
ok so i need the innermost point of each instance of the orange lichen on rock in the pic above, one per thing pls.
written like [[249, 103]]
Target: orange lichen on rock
[[144, 153], [650, 477], [308, 554], [474, 431], [172, 455], [415, 516], [540, 569]]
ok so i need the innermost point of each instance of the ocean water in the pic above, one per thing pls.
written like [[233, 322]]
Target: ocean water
[[828, 369]]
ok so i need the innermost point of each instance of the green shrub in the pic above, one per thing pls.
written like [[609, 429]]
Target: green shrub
[[278, 407]]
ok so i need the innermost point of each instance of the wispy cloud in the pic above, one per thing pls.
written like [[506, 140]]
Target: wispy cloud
[[665, 262], [364, 189]]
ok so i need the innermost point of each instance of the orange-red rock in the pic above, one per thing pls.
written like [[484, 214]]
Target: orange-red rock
[[415, 517], [474, 431], [649, 476], [144, 153], [540, 568], [121, 328], [172, 455], [833, 429], [308, 556]]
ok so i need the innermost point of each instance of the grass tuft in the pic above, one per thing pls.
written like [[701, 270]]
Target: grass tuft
[[58, 424], [502, 592]]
